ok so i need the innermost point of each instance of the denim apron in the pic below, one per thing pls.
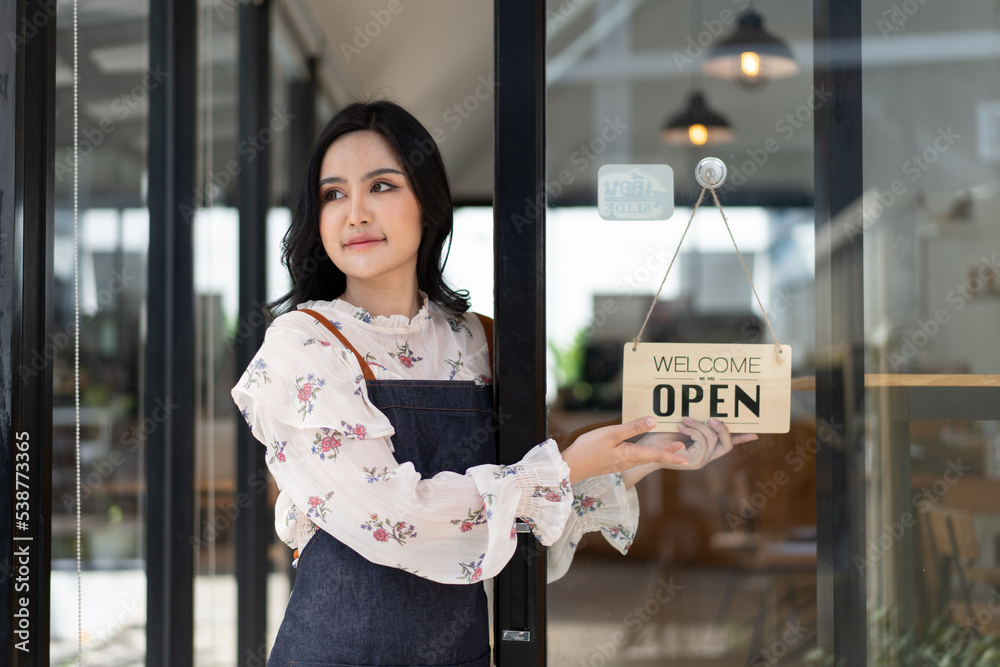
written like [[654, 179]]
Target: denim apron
[[345, 610]]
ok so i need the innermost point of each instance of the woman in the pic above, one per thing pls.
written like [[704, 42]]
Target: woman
[[371, 393]]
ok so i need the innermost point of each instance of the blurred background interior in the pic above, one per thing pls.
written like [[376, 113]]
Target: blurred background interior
[[737, 539]]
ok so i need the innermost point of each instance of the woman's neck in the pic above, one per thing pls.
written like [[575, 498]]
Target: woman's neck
[[384, 300]]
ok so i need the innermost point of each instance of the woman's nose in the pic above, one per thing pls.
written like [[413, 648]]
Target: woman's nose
[[359, 212]]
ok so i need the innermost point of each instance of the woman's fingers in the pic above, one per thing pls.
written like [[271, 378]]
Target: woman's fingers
[[705, 439]]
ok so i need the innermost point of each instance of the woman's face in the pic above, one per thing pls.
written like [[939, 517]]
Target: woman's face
[[369, 216]]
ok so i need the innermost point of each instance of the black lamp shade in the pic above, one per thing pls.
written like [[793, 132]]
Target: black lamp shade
[[776, 59], [697, 112]]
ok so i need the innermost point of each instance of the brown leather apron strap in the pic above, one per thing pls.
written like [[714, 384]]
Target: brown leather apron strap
[[366, 370]]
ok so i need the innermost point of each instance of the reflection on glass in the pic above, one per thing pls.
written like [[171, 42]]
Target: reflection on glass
[[932, 306], [114, 87], [722, 570]]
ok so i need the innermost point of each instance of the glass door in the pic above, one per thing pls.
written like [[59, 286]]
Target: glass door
[[721, 569], [932, 307]]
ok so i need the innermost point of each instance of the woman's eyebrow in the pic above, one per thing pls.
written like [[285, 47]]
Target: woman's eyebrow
[[370, 175]]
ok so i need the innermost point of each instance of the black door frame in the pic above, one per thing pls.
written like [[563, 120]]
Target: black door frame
[[27, 225], [519, 303], [26, 228]]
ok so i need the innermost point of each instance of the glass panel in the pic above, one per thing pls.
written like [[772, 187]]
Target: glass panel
[[931, 152], [722, 569], [114, 88], [215, 230]]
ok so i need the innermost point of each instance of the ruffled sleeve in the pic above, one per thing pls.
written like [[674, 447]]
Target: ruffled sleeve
[[599, 504], [330, 452]]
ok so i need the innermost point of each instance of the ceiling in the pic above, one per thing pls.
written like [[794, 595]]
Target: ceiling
[[620, 63]]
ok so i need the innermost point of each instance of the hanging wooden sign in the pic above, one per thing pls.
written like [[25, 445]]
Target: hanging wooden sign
[[742, 386]]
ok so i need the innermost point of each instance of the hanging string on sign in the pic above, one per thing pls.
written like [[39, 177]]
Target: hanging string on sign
[[711, 173]]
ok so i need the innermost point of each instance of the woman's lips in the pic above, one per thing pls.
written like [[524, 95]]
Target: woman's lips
[[362, 243]]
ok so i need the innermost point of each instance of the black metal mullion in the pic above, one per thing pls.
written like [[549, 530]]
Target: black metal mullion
[[171, 337], [519, 247], [255, 520], [27, 122], [840, 393], [301, 133]]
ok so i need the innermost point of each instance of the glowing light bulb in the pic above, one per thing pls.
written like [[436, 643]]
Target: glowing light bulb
[[698, 134], [750, 64]]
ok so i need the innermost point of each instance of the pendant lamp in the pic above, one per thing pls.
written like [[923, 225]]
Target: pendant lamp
[[751, 55], [696, 125]]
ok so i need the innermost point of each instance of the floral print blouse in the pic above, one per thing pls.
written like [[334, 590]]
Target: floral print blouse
[[330, 452]]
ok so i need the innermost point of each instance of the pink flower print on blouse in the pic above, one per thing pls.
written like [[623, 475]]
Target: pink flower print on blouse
[[483, 379], [317, 505], [458, 325], [621, 534], [583, 504], [279, 451], [383, 531], [455, 365], [310, 341], [405, 356], [474, 518], [308, 387], [257, 373], [473, 570], [357, 430], [372, 361], [326, 443], [357, 381], [550, 494]]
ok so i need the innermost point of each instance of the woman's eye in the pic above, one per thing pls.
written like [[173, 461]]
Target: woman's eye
[[330, 195], [377, 184]]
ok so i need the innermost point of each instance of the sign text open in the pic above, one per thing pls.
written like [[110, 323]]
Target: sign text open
[[742, 386]]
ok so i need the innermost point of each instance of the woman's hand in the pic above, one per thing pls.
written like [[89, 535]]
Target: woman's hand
[[699, 443], [606, 450]]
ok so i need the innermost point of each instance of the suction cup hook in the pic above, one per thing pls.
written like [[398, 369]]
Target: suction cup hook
[[710, 172]]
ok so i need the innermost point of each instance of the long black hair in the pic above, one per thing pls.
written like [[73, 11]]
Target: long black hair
[[314, 275]]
